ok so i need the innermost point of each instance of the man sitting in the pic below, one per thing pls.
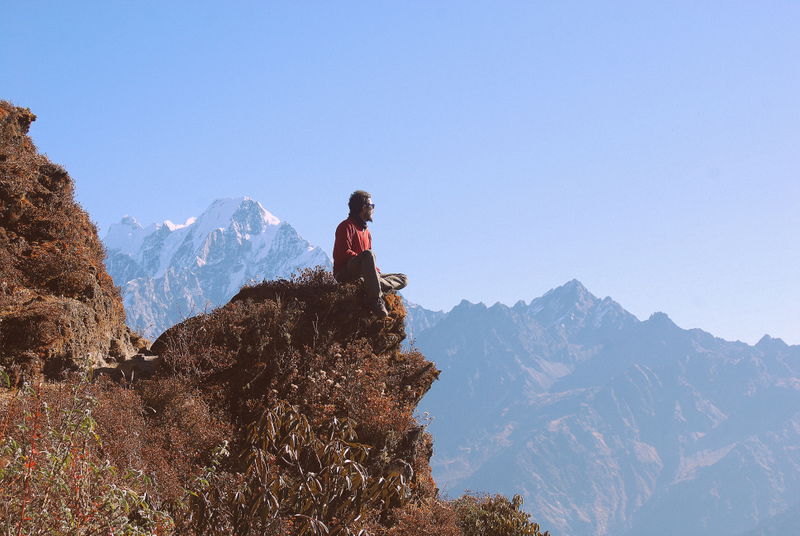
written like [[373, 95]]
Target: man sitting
[[353, 257]]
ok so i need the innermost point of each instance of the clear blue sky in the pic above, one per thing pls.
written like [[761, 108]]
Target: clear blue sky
[[649, 149]]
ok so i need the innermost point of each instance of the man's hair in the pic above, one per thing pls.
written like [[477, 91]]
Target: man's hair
[[357, 200]]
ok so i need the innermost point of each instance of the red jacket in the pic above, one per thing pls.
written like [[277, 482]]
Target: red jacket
[[351, 239]]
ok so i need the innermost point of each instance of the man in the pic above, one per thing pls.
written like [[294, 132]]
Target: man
[[353, 257]]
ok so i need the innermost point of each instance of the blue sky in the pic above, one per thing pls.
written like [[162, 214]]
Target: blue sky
[[648, 149]]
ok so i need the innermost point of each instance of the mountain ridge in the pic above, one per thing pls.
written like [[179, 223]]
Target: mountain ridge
[[168, 272], [605, 423]]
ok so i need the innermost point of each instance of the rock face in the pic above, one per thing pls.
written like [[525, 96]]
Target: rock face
[[59, 308], [611, 425], [170, 272]]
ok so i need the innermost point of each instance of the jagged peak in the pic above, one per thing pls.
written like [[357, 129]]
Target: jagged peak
[[130, 221], [175, 226], [608, 303], [572, 290], [661, 319], [466, 305], [575, 285], [571, 297], [244, 212], [498, 306], [412, 305], [771, 342], [225, 210], [125, 235]]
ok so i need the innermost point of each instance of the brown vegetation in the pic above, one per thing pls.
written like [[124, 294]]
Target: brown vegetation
[[309, 343], [59, 309]]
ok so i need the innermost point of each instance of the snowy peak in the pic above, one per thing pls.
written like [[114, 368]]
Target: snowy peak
[[242, 214], [130, 221], [169, 271], [175, 226], [191, 242], [123, 234]]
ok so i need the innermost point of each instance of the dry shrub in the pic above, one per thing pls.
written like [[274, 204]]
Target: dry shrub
[[494, 515], [54, 477], [162, 428], [182, 432], [431, 517], [310, 342], [59, 268], [139, 456], [298, 479], [359, 452]]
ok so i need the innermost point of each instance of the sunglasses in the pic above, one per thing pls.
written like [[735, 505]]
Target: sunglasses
[[370, 205]]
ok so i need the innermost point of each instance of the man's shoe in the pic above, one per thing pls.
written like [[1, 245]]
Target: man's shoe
[[379, 308]]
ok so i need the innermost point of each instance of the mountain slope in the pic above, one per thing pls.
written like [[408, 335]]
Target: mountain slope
[[169, 272], [609, 425]]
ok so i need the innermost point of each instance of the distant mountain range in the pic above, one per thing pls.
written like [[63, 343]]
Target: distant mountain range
[[610, 425], [169, 272], [606, 424]]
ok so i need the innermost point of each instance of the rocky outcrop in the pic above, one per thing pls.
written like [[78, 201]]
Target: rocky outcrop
[[312, 343], [59, 308]]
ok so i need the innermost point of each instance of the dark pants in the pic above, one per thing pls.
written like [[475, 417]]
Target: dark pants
[[363, 265]]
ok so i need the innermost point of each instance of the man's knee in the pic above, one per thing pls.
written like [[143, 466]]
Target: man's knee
[[402, 281], [394, 281]]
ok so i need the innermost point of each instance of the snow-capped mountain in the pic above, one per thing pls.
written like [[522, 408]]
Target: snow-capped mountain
[[169, 272], [611, 425]]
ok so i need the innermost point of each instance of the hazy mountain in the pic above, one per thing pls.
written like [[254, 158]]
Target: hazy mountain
[[418, 319], [169, 272], [610, 425], [784, 524]]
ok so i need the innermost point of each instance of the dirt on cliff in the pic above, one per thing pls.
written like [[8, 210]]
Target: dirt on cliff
[[59, 309]]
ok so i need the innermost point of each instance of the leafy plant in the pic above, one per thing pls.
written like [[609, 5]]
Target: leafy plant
[[54, 480], [316, 483]]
